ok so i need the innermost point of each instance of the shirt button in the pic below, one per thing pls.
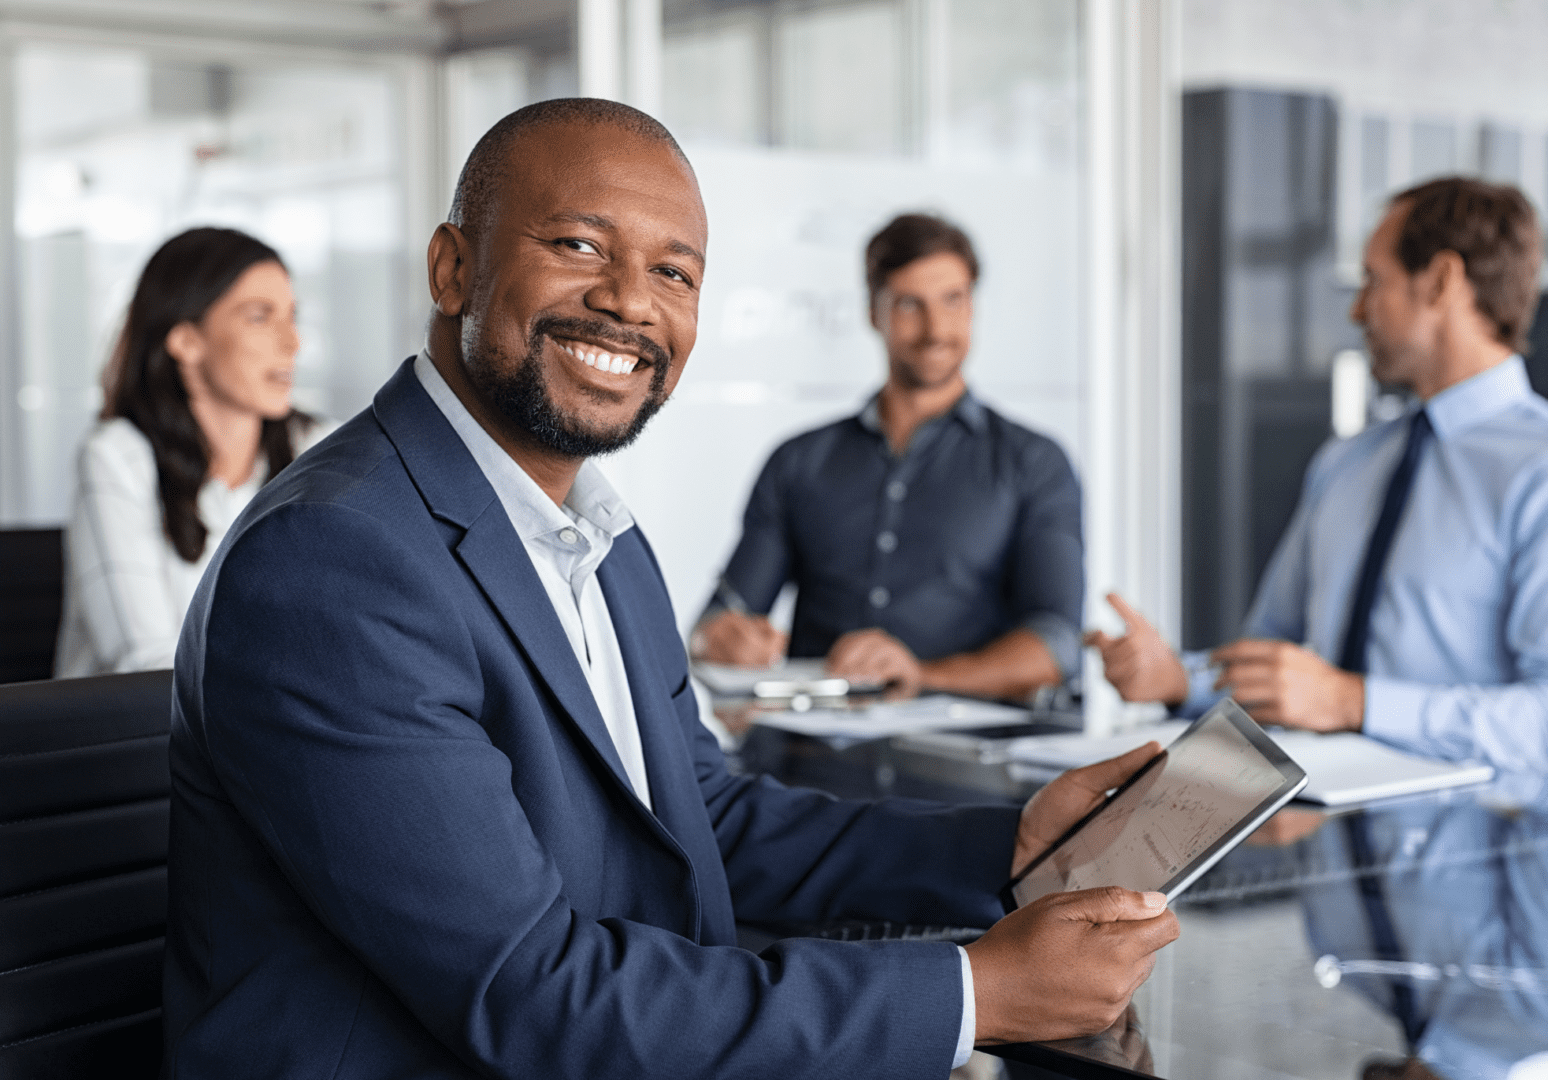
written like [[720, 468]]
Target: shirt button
[[887, 541], [896, 490], [569, 536], [880, 597]]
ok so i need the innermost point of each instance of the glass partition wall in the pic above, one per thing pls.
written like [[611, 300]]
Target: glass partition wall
[[810, 124], [117, 148]]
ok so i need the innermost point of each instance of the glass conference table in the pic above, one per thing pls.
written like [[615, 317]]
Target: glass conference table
[[1406, 939]]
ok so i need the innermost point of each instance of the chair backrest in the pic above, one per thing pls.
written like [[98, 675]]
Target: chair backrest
[[84, 786], [31, 598]]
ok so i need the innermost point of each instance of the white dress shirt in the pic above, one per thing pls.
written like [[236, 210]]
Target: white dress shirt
[[566, 545], [126, 588]]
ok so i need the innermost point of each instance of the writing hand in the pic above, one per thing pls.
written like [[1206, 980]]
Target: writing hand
[[730, 637]]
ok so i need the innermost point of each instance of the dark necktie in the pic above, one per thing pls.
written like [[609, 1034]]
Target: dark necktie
[[1352, 658], [1356, 630]]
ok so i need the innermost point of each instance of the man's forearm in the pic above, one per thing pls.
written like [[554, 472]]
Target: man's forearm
[[1012, 666], [1506, 726]]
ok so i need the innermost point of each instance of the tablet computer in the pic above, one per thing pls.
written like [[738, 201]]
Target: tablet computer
[[1175, 818]]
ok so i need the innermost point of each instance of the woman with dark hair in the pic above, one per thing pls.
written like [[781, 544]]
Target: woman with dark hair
[[196, 419]]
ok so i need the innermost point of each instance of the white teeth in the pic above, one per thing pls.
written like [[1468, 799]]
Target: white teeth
[[615, 365]]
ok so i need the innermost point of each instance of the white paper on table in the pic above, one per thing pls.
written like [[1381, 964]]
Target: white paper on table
[[938, 712], [1073, 751], [1348, 768], [730, 681]]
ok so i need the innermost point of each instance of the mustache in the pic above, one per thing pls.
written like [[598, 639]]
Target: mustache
[[596, 330]]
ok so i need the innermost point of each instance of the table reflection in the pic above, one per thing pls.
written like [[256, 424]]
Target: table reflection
[[1282, 971], [1465, 885]]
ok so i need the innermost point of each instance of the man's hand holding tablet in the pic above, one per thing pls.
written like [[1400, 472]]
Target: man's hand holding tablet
[[1080, 939], [1067, 963]]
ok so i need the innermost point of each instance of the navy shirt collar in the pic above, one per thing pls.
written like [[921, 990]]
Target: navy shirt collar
[[967, 410]]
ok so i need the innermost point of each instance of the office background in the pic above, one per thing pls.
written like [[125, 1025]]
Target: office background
[[1095, 149]]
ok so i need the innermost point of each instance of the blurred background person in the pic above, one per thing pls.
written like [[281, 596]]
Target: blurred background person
[[1408, 598], [197, 418], [933, 543]]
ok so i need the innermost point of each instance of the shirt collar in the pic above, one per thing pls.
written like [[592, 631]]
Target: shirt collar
[[967, 410], [1475, 399], [532, 512]]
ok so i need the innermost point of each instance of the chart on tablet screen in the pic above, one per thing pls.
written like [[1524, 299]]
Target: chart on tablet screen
[[1173, 814]]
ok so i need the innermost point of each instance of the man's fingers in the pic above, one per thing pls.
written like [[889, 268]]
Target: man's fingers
[[1110, 905], [758, 638], [1136, 941], [1252, 685], [1099, 640], [1247, 650], [1133, 619], [1123, 663], [844, 651], [854, 657]]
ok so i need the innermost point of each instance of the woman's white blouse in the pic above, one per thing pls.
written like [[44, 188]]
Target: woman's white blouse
[[126, 588]]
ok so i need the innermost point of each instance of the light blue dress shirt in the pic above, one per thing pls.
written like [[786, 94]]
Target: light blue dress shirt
[[1458, 655]]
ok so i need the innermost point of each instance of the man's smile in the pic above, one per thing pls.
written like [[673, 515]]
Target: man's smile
[[595, 356]]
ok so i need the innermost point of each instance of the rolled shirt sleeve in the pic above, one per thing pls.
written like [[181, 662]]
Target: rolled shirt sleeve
[[1048, 576], [760, 565]]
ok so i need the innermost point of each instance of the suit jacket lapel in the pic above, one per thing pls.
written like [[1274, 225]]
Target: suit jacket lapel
[[455, 490], [494, 555], [674, 790]]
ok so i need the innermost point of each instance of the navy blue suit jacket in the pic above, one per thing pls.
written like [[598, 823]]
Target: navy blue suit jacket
[[403, 844]]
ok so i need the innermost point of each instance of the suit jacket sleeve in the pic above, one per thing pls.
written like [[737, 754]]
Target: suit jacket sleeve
[[339, 705]]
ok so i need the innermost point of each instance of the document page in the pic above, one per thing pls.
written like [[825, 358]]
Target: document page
[[1178, 810]]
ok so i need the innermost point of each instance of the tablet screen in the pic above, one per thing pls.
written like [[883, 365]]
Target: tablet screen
[[1216, 783]]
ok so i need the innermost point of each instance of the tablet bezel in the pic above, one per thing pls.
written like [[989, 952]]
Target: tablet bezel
[[1293, 779]]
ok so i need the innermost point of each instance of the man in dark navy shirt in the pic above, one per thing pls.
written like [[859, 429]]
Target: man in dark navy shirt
[[934, 544]]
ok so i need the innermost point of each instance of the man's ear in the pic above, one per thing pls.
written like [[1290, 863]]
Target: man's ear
[[875, 312], [1446, 274], [450, 263]]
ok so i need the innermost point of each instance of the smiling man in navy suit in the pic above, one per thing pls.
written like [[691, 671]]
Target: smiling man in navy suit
[[442, 805]]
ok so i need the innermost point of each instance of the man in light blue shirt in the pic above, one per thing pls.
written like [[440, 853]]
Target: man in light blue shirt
[[1449, 644]]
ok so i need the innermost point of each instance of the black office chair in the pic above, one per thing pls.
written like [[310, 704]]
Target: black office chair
[[84, 786], [31, 597]]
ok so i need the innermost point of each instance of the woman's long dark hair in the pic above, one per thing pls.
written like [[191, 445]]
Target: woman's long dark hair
[[142, 383]]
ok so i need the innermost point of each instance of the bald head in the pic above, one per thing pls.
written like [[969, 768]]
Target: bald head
[[488, 166]]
